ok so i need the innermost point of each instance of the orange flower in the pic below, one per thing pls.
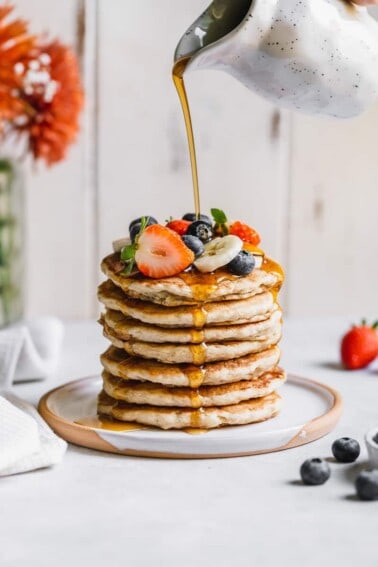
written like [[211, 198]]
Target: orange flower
[[53, 98], [40, 90], [15, 46]]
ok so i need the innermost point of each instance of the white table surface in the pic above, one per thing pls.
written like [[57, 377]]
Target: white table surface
[[99, 509]]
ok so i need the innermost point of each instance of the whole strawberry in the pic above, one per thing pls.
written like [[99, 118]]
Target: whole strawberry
[[359, 347]]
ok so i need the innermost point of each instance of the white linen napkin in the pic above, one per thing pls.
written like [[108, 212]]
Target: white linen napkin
[[29, 350], [26, 441]]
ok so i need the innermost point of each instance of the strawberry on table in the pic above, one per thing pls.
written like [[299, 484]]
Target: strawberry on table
[[359, 347], [180, 226], [161, 253]]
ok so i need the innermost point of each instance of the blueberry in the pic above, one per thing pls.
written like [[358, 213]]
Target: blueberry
[[150, 221], [242, 264], [201, 229], [346, 450], [315, 471], [367, 485], [194, 243], [134, 231], [192, 217]]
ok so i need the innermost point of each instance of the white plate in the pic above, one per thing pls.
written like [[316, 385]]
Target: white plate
[[310, 410]]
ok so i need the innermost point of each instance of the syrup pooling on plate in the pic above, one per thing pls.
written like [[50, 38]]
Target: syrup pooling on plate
[[109, 424]]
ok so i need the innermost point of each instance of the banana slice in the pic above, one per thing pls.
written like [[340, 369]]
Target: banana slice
[[120, 243], [218, 252]]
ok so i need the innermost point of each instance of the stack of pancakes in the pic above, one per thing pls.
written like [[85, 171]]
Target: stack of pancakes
[[193, 350]]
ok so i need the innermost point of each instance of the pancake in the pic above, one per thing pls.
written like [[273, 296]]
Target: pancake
[[252, 310], [193, 354], [126, 328], [251, 411], [118, 363], [189, 288], [206, 396]]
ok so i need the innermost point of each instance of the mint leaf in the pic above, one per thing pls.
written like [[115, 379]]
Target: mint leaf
[[218, 216], [128, 252], [130, 267]]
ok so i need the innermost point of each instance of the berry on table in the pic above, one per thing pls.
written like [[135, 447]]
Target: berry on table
[[367, 485], [315, 471], [161, 252], [346, 450], [201, 229], [194, 243], [243, 264], [192, 217], [245, 232], [359, 347]]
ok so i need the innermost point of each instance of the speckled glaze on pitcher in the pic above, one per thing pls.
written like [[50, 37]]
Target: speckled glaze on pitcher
[[315, 56]]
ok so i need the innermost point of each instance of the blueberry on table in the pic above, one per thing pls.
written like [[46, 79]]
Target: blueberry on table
[[192, 217], [201, 229], [346, 450], [315, 471], [150, 221], [242, 264], [194, 243], [367, 485]]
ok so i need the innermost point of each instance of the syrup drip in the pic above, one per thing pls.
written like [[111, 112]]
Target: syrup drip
[[195, 398], [201, 285], [271, 266], [199, 317], [195, 375], [197, 336], [195, 419], [198, 353]]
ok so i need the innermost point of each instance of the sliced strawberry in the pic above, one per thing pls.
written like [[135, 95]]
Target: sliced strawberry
[[180, 226], [161, 252], [245, 232]]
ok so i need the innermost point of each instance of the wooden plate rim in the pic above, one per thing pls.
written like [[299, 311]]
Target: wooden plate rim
[[311, 431]]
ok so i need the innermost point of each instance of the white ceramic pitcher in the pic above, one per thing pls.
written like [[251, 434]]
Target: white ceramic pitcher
[[316, 56]]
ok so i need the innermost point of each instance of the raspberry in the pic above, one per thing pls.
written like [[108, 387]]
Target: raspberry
[[245, 233]]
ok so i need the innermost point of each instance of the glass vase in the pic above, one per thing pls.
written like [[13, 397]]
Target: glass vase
[[11, 242]]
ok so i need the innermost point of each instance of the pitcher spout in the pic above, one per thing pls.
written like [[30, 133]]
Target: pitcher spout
[[216, 22]]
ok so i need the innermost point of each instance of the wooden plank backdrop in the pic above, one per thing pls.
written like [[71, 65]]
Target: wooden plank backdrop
[[309, 185]]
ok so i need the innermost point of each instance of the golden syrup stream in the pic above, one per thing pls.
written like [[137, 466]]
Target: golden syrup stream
[[177, 75]]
